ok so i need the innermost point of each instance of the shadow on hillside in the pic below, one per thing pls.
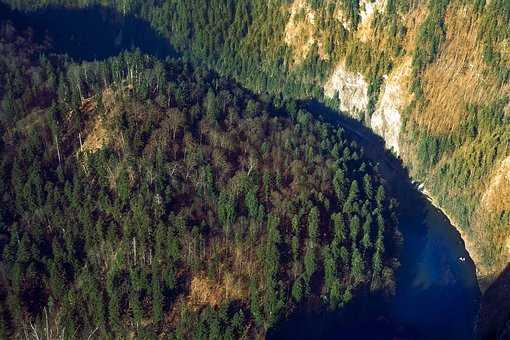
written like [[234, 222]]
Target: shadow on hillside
[[432, 286], [366, 317], [494, 320], [91, 33]]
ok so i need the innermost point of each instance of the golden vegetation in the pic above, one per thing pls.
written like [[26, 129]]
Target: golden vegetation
[[412, 22], [368, 12], [229, 282], [204, 291], [300, 30], [497, 196], [458, 77], [493, 237], [97, 137]]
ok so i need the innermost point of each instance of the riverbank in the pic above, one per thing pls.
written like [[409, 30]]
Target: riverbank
[[467, 242], [483, 275], [437, 294]]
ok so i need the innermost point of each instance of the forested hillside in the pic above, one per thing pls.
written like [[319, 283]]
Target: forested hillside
[[431, 77], [148, 198]]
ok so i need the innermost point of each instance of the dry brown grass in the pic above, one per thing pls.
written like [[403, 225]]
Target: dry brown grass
[[300, 29], [412, 23], [204, 291], [301, 32], [108, 98], [491, 239], [231, 278], [88, 105], [323, 55], [97, 137], [504, 48], [457, 77], [497, 196], [365, 31]]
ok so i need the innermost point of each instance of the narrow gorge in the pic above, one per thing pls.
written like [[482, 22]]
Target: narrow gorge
[[422, 88]]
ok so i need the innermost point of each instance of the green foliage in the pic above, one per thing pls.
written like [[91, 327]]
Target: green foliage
[[297, 290], [193, 169], [473, 150], [244, 39], [226, 211], [351, 8], [494, 30], [430, 36]]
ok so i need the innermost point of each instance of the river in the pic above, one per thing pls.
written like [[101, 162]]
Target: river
[[437, 294]]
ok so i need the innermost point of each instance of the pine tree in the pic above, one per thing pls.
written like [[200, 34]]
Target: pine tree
[[157, 300], [310, 252], [357, 267], [297, 290]]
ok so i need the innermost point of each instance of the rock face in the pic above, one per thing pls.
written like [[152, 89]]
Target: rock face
[[352, 91], [386, 120], [350, 88], [368, 9]]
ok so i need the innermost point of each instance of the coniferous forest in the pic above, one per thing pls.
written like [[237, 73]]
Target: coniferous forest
[[238, 169], [152, 198]]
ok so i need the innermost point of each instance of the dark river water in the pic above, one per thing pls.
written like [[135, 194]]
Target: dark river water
[[437, 295]]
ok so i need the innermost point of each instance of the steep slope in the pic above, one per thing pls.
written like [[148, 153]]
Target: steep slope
[[431, 77], [148, 198]]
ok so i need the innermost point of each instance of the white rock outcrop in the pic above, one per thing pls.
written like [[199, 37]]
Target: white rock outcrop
[[386, 120], [368, 9], [352, 91], [350, 88]]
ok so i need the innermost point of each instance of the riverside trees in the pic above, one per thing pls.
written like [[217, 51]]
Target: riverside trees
[[179, 204]]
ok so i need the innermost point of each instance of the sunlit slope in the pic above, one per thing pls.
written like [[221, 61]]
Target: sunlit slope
[[431, 77]]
